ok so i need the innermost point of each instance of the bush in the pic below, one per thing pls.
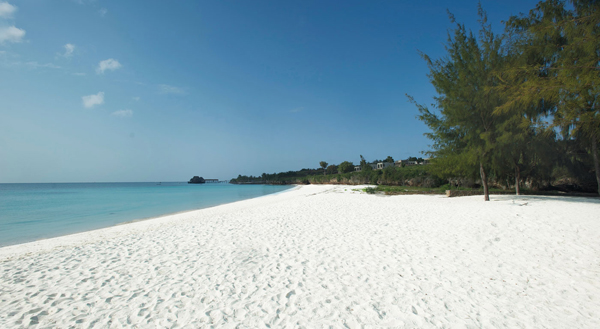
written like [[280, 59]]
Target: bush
[[345, 167], [369, 190], [332, 169], [374, 177], [445, 187]]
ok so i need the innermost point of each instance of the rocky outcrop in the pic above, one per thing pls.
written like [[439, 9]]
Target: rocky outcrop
[[197, 180]]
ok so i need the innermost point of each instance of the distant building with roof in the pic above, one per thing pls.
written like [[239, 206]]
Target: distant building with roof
[[383, 165], [407, 162]]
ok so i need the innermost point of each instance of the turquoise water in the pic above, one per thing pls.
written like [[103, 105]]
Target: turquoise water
[[30, 212]]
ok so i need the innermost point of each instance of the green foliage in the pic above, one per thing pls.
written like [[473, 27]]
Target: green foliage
[[331, 169], [445, 187], [415, 175], [323, 165], [391, 190], [369, 190], [464, 133], [364, 165], [556, 64], [374, 177], [345, 167]]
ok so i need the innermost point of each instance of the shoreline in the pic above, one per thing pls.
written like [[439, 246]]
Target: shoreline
[[46, 244], [319, 256], [178, 212], [128, 221]]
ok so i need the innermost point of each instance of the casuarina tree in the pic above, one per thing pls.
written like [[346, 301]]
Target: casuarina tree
[[464, 130], [565, 45]]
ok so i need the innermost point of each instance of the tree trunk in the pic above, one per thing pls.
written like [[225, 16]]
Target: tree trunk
[[517, 180], [486, 194], [596, 164]]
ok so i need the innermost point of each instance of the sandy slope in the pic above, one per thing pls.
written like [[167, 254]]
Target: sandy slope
[[320, 256]]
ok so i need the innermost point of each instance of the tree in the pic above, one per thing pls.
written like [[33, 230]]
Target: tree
[[323, 165], [332, 169], [464, 133], [364, 165], [567, 42], [345, 167], [389, 159], [389, 175]]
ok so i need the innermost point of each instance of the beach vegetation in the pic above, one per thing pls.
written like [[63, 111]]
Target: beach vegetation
[[424, 179], [323, 165], [521, 108], [364, 165], [346, 167], [370, 190], [558, 52], [464, 129], [331, 169]]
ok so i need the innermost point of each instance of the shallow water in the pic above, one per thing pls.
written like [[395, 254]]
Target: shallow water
[[30, 212]]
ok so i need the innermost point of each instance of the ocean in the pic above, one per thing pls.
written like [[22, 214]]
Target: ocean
[[30, 212]]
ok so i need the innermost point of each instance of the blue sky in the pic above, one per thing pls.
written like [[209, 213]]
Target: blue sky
[[107, 91]]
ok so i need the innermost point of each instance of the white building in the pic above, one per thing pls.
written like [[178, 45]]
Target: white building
[[383, 165], [399, 163]]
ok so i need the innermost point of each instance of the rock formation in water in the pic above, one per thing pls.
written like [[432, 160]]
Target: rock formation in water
[[197, 180]]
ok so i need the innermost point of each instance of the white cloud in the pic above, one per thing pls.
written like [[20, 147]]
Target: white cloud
[[296, 110], [79, 74], [123, 113], [6, 9], [108, 64], [166, 89], [137, 98], [36, 65], [11, 34], [69, 49], [102, 12], [93, 100]]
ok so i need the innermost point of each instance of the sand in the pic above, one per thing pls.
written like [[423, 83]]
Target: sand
[[320, 256]]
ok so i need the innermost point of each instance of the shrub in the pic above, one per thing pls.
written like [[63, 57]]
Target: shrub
[[369, 190], [345, 167], [374, 177], [445, 187], [332, 169]]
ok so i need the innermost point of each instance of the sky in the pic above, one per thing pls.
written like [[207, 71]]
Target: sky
[[139, 91]]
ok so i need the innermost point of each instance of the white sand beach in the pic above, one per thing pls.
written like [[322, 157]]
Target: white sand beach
[[316, 257]]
